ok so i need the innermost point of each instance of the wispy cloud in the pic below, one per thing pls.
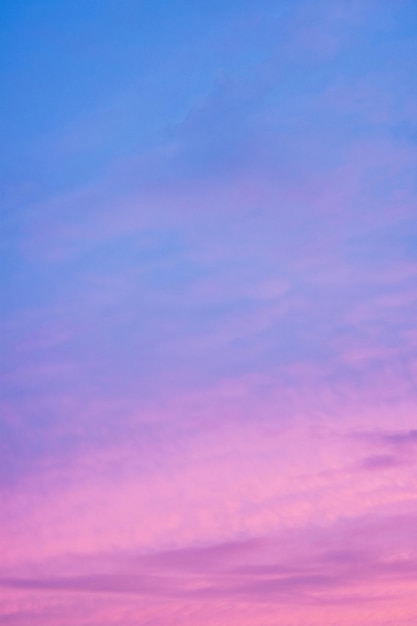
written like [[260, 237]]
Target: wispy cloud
[[209, 359]]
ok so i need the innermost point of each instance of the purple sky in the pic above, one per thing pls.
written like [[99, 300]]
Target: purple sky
[[209, 343]]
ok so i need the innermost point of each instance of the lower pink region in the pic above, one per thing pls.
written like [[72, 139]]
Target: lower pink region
[[348, 573], [390, 606], [312, 523]]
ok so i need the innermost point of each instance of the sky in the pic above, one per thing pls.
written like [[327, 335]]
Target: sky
[[208, 365]]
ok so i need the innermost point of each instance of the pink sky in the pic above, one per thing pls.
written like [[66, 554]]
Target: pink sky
[[209, 347]]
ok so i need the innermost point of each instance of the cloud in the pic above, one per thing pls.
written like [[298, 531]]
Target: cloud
[[397, 449], [210, 352], [308, 566]]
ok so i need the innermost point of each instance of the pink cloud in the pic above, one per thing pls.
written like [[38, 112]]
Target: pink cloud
[[210, 355]]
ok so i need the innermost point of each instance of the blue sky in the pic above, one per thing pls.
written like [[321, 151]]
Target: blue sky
[[209, 273]]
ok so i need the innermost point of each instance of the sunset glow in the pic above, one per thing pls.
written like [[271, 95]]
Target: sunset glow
[[209, 314]]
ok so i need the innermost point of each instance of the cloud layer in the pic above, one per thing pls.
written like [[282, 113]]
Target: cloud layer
[[208, 409]]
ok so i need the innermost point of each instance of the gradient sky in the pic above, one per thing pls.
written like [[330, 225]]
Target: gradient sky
[[208, 315]]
